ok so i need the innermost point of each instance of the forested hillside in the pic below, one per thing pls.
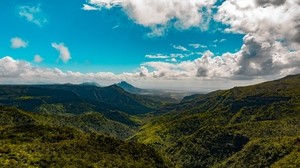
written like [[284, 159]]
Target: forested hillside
[[89, 126], [26, 141], [253, 126]]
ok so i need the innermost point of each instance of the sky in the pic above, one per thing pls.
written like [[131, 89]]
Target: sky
[[195, 45]]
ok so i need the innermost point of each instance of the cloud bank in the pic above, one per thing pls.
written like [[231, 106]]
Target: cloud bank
[[14, 71]]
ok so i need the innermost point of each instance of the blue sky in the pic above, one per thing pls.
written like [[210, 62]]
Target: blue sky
[[104, 40], [121, 37]]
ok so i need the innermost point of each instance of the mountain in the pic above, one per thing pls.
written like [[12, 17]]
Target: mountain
[[86, 125], [253, 126], [27, 141], [163, 96], [112, 102], [130, 88]]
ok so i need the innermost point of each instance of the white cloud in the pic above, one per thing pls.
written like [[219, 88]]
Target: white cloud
[[89, 7], [64, 53], [38, 59], [198, 46], [271, 19], [10, 68], [206, 66], [157, 31], [272, 41], [157, 56], [182, 14], [169, 58], [17, 42], [18, 71], [180, 47], [33, 14]]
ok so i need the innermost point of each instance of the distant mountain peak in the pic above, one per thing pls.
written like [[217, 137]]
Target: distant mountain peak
[[128, 87], [125, 84]]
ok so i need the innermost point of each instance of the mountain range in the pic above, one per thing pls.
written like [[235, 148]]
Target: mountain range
[[251, 126]]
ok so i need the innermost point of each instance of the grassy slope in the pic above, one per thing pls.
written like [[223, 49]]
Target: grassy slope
[[254, 126], [26, 141]]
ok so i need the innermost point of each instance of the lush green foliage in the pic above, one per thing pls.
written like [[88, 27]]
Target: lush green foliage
[[24, 142], [91, 122], [254, 126]]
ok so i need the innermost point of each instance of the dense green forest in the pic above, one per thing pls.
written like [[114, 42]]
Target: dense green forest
[[254, 126], [90, 126], [28, 142]]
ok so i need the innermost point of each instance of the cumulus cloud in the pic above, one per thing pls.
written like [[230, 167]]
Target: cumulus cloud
[[271, 44], [152, 13], [18, 71], [64, 53], [33, 14], [272, 29], [17, 42], [37, 59], [272, 19], [269, 47], [10, 68], [207, 65]]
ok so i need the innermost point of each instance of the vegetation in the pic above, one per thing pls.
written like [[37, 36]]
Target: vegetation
[[24, 142], [90, 126], [254, 126]]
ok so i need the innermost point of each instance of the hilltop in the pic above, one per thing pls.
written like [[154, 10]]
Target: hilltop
[[130, 88]]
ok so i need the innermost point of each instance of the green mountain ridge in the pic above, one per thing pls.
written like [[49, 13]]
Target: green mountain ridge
[[112, 102], [252, 126]]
